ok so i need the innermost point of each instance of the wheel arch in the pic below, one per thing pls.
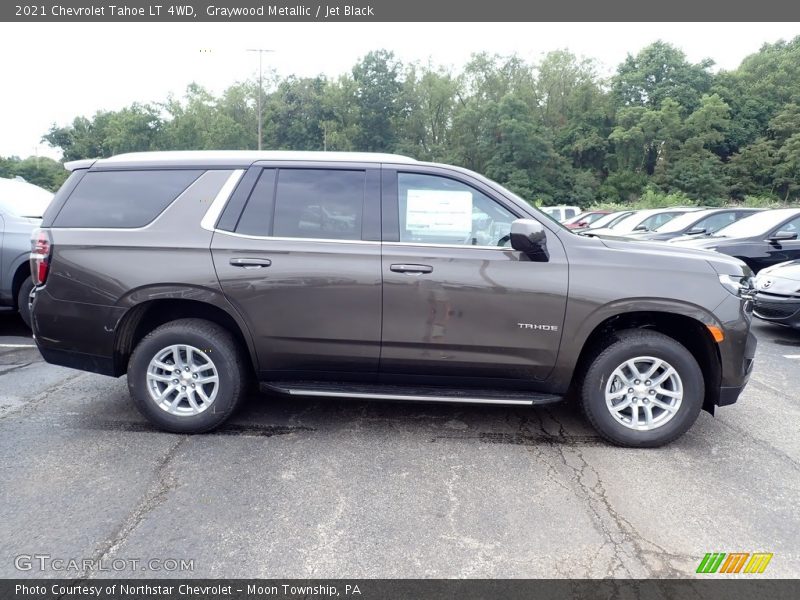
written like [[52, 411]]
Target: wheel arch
[[143, 317], [22, 271], [690, 330]]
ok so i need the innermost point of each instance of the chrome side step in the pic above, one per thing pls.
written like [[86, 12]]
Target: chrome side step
[[408, 394]]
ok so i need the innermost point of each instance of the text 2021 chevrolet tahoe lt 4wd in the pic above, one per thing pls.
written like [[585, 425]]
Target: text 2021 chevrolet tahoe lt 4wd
[[373, 276]]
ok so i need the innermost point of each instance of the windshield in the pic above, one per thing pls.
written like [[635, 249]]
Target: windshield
[[679, 223], [629, 223], [757, 224], [609, 220]]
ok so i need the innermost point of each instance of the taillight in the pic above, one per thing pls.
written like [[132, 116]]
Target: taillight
[[40, 256]]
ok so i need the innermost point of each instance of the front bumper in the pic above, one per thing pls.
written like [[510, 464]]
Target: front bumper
[[737, 351], [784, 310]]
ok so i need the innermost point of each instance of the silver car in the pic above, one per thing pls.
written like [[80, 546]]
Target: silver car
[[21, 207]]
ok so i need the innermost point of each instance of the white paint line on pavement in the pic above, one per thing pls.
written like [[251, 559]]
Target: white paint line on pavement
[[791, 356], [17, 345]]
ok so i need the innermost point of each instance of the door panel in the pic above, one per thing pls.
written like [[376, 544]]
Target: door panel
[[316, 307], [458, 303], [477, 313], [298, 269]]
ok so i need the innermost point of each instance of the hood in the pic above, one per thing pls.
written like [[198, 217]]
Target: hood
[[650, 235], [787, 270], [606, 233], [701, 242], [721, 263]]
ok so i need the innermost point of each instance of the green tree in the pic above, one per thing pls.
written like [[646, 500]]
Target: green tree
[[377, 96], [658, 72]]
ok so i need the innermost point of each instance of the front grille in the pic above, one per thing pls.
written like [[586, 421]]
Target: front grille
[[775, 310]]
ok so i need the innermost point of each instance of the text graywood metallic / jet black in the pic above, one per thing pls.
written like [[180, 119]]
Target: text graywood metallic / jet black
[[374, 276]]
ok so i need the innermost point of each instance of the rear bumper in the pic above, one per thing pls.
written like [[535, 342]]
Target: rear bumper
[[77, 360], [75, 334]]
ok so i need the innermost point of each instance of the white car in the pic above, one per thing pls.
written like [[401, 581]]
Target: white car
[[21, 207], [642, 220]]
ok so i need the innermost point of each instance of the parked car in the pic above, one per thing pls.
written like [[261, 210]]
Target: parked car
[[641, 220], [21, 208], [584, 219], [778, 294], [761, 240], [606, 221], [193, 272], [695, 223], [561, 213]]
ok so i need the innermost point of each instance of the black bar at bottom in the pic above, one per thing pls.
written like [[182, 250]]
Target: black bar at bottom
[[742, 587]]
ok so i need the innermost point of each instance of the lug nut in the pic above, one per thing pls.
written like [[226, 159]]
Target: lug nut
[[177, 371], [652, 392], [647, 382], [630, 390], [174, 381], [194, 376], [183, 388], [186, 368], [192, 385]]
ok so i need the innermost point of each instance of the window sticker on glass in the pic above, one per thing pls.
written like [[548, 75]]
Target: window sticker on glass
[[439, 212]]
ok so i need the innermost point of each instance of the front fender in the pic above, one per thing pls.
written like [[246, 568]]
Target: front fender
[[583, 321]]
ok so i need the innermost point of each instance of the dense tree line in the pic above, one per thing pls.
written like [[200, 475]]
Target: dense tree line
[[554, 131]]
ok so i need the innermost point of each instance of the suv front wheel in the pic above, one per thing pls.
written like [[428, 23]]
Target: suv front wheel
[[644, 389], [187, 376]]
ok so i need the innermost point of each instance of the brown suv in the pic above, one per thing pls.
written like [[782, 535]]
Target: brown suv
[[373, 276]]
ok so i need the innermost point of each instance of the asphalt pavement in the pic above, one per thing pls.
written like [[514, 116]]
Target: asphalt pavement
[[327, 488]]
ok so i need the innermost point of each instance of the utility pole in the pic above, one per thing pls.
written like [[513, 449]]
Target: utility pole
[[261, 52]]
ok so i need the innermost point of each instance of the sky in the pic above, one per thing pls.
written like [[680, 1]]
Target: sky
[[53, 72]]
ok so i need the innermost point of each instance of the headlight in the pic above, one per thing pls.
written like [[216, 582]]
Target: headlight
[[738, 285]]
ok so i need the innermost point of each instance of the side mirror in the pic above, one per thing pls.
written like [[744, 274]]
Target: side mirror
[[529, 237], [696, 231], [640, 228], [783, 236]]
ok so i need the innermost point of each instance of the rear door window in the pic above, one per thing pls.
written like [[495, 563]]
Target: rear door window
[[319, 203], [123, 199]]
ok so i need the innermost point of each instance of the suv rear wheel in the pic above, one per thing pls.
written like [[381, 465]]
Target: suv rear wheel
[[23, 299], [644, 389], [187, 376]]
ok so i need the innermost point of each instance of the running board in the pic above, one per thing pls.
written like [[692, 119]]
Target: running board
[[358, 391]]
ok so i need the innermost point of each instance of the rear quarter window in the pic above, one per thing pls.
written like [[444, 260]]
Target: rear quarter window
[[123, 199]]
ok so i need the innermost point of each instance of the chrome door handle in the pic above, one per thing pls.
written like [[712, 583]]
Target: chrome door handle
[[411, 268], [250, 263]]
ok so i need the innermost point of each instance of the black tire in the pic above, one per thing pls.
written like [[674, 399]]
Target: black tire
[[625, 345], [219, 346], [22, 301]]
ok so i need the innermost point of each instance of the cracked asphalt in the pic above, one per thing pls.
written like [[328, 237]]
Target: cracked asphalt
[[311, 488]]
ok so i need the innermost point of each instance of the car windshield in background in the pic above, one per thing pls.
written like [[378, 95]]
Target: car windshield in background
[[609, 220], [757, 224], [630, 223], [679, 223]]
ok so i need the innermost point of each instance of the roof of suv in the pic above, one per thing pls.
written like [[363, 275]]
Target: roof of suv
[[231, 158]]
